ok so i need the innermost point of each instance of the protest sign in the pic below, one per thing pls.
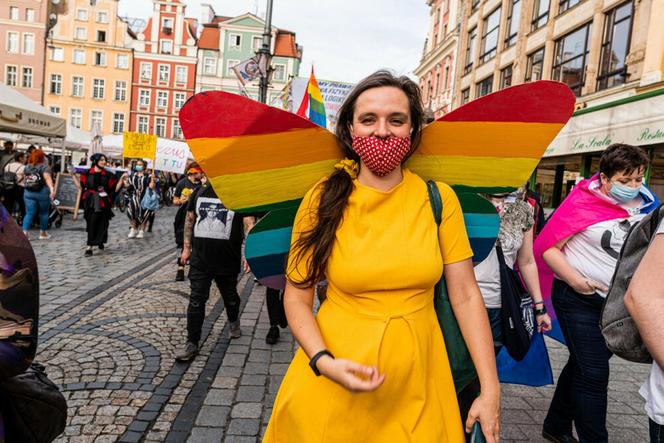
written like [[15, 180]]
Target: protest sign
[[172, 157], [333, 94], [137, 145]]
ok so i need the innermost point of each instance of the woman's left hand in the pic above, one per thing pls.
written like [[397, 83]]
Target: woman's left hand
[[543, 323], [486, 410]]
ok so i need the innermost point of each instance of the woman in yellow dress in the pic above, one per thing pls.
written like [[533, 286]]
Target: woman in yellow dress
[[372, 365]]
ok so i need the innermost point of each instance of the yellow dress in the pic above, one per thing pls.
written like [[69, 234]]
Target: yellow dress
[[379, 311]]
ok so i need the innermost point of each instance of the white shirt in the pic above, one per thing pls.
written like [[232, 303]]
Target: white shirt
[[653, 389], [487, 274], [594, 251]]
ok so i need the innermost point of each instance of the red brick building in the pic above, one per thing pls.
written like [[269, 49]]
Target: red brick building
[[164, 73]]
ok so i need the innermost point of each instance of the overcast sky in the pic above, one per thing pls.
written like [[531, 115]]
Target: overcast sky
[[344, 39]]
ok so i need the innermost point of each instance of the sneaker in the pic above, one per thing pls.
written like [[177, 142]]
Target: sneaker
[[44, 236], [88, 252], [101, 247], [188, 353], [27, 235], [132, 233], [179, 276], [236, 332], [272, 335], [140, 234]]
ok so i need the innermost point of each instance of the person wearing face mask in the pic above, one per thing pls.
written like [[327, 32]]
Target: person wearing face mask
[[99, 185], [183, 190], [372, 364], [580, 245], [137, 185]]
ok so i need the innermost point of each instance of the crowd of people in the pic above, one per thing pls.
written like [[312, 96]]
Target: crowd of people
[[367, 232]]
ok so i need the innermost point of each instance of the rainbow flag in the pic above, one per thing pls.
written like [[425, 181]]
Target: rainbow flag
[[313, 101]]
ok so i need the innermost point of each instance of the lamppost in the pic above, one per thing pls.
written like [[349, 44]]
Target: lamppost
[[264, 56]]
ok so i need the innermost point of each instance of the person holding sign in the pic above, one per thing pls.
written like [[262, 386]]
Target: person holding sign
[[98, 185], [137, 185]]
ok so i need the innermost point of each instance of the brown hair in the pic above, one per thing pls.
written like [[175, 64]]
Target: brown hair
[[620, 157], [337, 188], [36, 157]]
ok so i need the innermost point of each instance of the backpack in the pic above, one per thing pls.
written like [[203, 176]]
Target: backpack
[[8, 180], [34, 179], [620, 332]]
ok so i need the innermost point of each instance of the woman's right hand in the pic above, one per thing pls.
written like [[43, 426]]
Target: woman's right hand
[[587, 286], [351, 375]]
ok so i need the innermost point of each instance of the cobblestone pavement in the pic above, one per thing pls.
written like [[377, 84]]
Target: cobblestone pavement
[[111, 324]]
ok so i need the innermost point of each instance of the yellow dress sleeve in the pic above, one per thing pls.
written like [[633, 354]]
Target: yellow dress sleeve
[[454, 243], [305, 220]]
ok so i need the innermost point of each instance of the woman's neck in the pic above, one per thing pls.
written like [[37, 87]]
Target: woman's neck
[[384, 184]]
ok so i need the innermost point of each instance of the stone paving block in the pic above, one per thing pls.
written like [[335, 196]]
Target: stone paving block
[[234, 360], [243, 426], [250, 393], [220, 397], [206, 435], [247, 410], [212, 416], [240, 439], [253, 380]]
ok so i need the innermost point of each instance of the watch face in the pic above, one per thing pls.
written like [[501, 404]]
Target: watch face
[[19, 298]]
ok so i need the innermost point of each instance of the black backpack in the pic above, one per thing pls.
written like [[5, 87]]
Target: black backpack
[[8, 180], [34, 179]]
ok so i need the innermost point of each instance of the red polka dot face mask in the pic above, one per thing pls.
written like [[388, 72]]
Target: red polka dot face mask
[[381, 155]]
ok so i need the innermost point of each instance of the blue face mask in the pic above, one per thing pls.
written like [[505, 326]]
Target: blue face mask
[[138, 167], [623, 193]]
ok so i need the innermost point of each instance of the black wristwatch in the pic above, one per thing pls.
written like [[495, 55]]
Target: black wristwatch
[[540, 311], [315, 358]]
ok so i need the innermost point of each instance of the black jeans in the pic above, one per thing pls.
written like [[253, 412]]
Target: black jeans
[[656, 432], [200, 282], [581, 393], [275, 307]]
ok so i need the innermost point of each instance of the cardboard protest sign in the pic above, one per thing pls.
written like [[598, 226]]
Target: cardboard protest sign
[[137, 145], [172, 158]]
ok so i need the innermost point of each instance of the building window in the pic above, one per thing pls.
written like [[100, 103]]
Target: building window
[[279, 73], [12, 42], [167, 46], [28, 44], [58, 54], [144, 97], [484, 87], [177, 131], [615, 46], [540, 13], [506, 77], [160, 126], [180, 74], [77, 86], [81, 34], [490, 36], [534, 66], [178, 100], [100, 59], [82, 14], [571, 57], [102, 17], [79, 56], [566, 4], [11, 75], [513, 20], [235, 41], [470, 50], [26, 80], [465, 96], [56, 84], [98, 88], [143, 124], [54, 110], [122, 61], [120, 91], [256, 42], [162, 99], [146, 71], [101, 36], [29, 15], [13, 13], [167, 26], [118, 122], [164, 73], [229, 67], [76, 117], [209, 66], [96, 117]]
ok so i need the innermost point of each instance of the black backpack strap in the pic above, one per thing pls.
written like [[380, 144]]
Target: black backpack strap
[[435, 201], [655, 219]]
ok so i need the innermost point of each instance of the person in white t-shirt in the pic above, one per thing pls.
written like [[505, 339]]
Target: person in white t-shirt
[[583, 264], [645, 302], [516, 242]]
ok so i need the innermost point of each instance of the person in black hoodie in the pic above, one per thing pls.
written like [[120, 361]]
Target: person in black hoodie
[[183, 190]]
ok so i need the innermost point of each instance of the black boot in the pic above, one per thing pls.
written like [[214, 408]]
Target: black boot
[[272, 335]]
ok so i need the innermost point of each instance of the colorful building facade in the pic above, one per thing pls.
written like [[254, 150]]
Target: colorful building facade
[[164, 73], [227, 41], [88, 67], [22, 32]]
